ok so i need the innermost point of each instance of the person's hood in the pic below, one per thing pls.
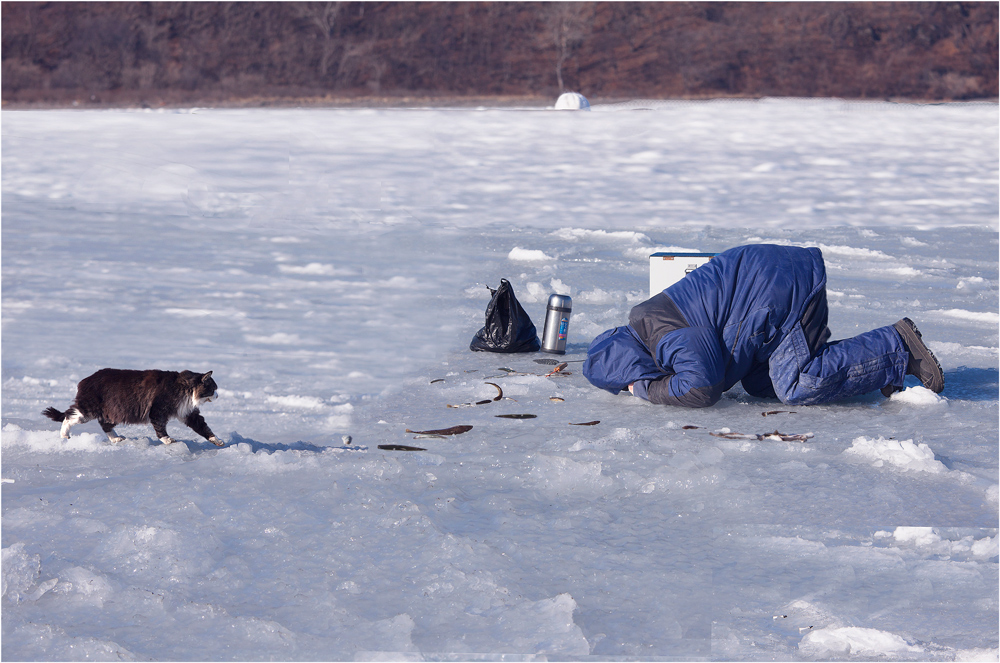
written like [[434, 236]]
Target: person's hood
[[617, 358]]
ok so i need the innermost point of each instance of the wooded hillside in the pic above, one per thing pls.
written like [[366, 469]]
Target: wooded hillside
[[156, 53]]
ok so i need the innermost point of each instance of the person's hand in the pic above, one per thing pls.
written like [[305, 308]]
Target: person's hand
[[630, 389]]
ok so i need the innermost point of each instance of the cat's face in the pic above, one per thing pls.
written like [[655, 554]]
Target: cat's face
[[206, 390]]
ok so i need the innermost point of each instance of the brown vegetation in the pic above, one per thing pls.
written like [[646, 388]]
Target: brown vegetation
[[154, 53]]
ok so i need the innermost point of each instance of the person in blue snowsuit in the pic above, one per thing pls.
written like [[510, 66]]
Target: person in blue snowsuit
[[756, 315]]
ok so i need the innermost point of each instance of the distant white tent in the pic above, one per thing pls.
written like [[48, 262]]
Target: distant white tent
[[572, 101]]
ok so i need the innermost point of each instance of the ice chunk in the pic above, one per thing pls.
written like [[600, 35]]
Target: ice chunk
[[19, 572], [918, 395], [315, 269], [972, 283], [921, 536], [44, 441], [543, 627], [930, 541], [35, 642], [854, 641], [852, 252], [585, 234], [975, 316], [560, 287], [903, 454], [278, 338], [527, 255], [535, 292], [93, 588], [297, 402]]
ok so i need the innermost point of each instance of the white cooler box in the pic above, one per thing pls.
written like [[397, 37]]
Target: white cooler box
[[666, 269]]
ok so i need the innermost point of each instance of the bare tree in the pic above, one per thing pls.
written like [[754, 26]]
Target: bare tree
[[566, 25], [323, 15]]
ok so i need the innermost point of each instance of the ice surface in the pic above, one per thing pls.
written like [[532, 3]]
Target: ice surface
[[331, 268]]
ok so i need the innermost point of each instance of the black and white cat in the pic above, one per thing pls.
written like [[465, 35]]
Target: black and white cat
[[116, 396]]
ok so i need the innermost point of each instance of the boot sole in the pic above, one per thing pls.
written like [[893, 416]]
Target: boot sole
[[913, 340]]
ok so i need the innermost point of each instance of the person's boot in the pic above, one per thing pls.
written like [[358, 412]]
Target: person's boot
[[923, 364], [890, 389]]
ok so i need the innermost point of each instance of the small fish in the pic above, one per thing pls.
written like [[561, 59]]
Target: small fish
[[690, 427], [784, 437], [734, 436], [586, 423], [508, 372], [555, 370], [517, 416], [454, 430], [775, 436], [399, 447], [766, 414], [438, 380], [556, 399], [483, 402]]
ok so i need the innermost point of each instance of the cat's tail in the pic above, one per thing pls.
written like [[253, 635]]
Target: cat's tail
[[54, 414]]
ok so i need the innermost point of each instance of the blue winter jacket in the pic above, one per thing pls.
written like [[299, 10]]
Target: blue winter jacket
[[715, 327]]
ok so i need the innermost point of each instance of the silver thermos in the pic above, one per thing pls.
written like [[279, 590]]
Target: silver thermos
[[556, 324]]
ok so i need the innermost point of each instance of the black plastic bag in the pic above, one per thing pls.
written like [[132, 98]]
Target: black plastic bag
[[508, 328]]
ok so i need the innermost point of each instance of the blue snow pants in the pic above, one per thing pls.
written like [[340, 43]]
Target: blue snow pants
[[839, 369]]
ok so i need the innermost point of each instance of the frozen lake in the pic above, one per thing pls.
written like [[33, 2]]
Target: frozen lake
[[330, 267]]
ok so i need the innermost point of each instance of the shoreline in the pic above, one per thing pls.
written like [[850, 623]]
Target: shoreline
[[414, 101]]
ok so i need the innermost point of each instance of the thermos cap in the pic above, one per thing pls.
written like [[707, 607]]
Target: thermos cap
[[560, 302]]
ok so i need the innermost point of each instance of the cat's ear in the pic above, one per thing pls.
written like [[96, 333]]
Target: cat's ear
[[206, 376]]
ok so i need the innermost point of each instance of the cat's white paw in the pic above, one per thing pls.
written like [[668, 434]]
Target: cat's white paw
[[216, 441], [167, 440]]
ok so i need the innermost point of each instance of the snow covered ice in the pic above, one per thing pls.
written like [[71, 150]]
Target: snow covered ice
[[331, 267]]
